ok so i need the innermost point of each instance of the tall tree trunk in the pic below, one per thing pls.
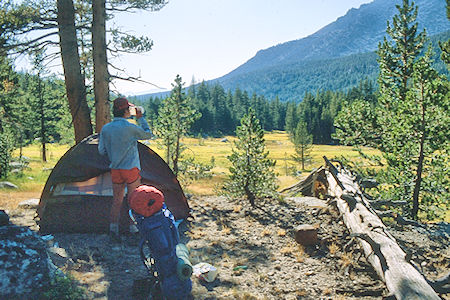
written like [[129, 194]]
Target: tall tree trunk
[[303, 158], [75, 88], [101, 75], [250, 196], [169, 153], [176, 155], [42, 114], [418, 182]]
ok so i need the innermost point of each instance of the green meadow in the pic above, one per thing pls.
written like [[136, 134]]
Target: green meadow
[[32, 180]]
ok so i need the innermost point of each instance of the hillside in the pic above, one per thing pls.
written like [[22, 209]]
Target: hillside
[[336, 57], [290, 81], [358, 31]]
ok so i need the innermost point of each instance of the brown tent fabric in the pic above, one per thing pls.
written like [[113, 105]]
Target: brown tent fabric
[[90, 212]]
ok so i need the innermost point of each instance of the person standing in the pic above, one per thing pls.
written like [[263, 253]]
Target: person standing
[[118, 140]]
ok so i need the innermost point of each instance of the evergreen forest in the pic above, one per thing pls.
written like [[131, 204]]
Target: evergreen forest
[[221, 110]]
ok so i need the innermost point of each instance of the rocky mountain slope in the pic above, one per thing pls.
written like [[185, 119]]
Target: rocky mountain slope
[[358, 31]]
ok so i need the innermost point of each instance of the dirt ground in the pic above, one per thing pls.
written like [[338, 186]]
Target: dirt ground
[[254, 251]]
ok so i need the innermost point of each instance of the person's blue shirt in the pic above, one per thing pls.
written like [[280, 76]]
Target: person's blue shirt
[[118, 140]]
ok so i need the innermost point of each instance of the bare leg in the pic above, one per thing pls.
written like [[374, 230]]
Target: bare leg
[[118, 194], [132, 186]]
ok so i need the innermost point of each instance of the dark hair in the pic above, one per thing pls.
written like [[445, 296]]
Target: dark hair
[[119, 113]]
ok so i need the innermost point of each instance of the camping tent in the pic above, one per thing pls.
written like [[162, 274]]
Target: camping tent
[[78, 193]]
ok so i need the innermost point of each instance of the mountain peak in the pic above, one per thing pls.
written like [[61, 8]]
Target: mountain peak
[[358, 31]]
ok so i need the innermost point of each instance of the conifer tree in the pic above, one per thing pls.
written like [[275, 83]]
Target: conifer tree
[[410, 100], [45, 109], [175, 118], [252, 175], [291, 117], [303, 143], [8, 90], [411, 121], [277, 114]]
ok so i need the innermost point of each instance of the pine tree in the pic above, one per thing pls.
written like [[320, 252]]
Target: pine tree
[[407, 104], [410, 121], [398, 54], [200, 102], [303, 143], [252, 173], [291, 117], [43, 104], [222, 116], [8, 114], [175, 118]]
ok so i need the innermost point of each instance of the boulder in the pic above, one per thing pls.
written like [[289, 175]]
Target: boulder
[[24, 263], [32, 203], [8, 185], [58, 255], [306, 235]]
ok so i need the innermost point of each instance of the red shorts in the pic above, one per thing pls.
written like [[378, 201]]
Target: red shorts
[[125, 176]]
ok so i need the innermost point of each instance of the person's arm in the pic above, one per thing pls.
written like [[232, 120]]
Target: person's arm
[[143, 123], [145, 132], [101, 144]]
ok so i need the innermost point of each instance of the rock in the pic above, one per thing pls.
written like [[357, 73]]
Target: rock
[[224, 140], [306, 235], [24, 263], [17, 165], [309, 201], [8, 185], [49, 239], [58, 255], [32, 203], [4, 218]]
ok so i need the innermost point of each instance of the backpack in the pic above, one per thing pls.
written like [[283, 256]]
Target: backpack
[[161, 237]]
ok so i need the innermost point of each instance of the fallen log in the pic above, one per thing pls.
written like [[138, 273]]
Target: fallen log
[[379, 246], [313, 185]]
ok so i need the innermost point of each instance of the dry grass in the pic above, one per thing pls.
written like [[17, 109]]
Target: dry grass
[[327, 291], [196, 233], [226, 230], [238, 294], [346, 259], [266, 231], [333, 248], [291, 249], [11, 199], [300, 254], [280, 149], [237, 208], [281, 232]]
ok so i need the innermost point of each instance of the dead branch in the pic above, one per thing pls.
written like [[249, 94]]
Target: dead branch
[[389, 203]]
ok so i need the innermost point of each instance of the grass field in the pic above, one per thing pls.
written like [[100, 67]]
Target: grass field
[[32, 181]]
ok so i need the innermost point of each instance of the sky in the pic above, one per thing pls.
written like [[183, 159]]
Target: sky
[[206, 39]]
